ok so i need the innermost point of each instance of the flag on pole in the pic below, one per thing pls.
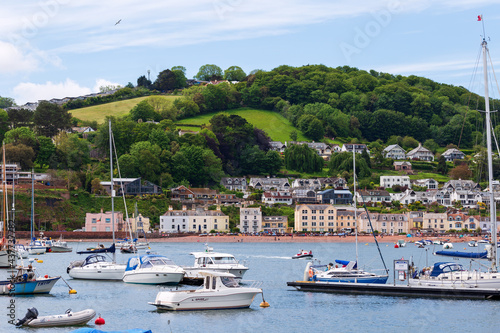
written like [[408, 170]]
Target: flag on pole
[[480, 17]]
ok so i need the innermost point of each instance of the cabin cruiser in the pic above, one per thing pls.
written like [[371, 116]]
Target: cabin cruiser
[[152, 269], [22, 252], [451, 274], [342, 271], [96, 267], [447, 246], [59, 246], [303, 254], [219, 291], [36, 248], [214, 261]]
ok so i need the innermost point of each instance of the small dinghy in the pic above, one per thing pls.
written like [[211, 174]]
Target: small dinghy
[[69, 318], [303, 254]]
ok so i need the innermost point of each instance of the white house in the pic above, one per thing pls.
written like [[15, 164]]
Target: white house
[[196, 220], [420, 153], [277, 197], [250, 219], [395, 152], [390, 181], [453, 154]]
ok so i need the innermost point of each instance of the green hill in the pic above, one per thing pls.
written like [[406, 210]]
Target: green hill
[[273, 123], [99, 112]]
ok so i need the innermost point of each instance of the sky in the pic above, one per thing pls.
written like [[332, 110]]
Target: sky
[[62, 48]]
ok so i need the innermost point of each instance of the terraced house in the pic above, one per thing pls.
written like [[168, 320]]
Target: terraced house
[[314, 218], [195, 220]]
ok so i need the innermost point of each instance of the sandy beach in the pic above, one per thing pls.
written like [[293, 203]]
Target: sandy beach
[[286, 239]]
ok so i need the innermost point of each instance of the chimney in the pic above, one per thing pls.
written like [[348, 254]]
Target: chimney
[[170, 208], [184, 207]]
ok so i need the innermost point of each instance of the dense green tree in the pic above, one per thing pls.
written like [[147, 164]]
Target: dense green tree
[[45, 150], [344, 162], [166, 80], [431, 145], [50, 118], [234, 73], [187, 107], [442, 167], [209, 73], [128, 166], [144, 111], [274, 162], [21, 154], [6, 102], [303, 159], [20, 117], [142, 81], [22, 135], [73, 151], [147, 156]]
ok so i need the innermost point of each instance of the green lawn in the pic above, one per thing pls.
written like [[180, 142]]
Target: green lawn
[[117, 109], [274, 124]]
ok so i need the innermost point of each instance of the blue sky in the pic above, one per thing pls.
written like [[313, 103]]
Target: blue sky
[[58, 48]]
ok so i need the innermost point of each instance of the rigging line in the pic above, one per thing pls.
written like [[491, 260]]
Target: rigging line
[[494, 74], [373, 233], [121, 185]]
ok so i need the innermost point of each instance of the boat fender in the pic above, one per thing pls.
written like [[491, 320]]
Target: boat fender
[[68, 269], [311, 273]]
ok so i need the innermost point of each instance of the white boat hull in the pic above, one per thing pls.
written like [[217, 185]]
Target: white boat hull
[[143, 276], [36, 250], [193, 272], [60, 249], [108, 271], [465, 279], [67, 319], [4, 259], [205, 300]]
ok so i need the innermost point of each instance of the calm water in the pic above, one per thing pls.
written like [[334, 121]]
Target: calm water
[[126, 306]]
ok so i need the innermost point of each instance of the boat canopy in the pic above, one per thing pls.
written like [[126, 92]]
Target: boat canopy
[[94, 258], [458, 254], [110, 249], [346, 263], [148, 261], [445, 267]]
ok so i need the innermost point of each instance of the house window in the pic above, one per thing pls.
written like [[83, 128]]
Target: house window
[[304, 217], [94, 229], [94, 221], [215, 226], [108, 220]]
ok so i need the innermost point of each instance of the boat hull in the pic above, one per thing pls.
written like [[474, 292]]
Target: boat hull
[[67, 319], [41, 286], [141, 276], [463, 280], [60, 249], [303, 256], [193, 272], [193, 300], [4, 259], [369, 279], [98, 272]]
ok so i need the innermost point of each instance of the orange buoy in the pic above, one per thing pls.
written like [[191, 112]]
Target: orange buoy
[[99, 320]]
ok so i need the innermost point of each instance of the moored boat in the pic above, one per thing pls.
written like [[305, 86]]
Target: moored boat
[[96, 267], [152, 269], [25, 281], [219, 291], [342, 271], [69, 318]]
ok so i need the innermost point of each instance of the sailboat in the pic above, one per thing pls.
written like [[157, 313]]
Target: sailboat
[[450, 274], [97, 266], [344, 270], [132, 245], [35, 247], [4, 246]]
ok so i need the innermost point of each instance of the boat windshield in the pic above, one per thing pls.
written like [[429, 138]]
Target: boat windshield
[[224, 260], [229, 282], [158, 262]]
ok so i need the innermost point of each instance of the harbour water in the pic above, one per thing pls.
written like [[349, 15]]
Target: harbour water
[[125, 306]]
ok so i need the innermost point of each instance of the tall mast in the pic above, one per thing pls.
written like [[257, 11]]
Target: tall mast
[[355, 206], [32, 229], [4, 194], [112, 186], [493, 216]]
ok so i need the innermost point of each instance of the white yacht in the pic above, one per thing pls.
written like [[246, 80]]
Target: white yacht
[[96, 267], [22, 252], [214, 261], [342, 271], [152, 269], [219, 291]]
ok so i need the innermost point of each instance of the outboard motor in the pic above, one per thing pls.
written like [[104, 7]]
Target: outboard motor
[[30, 315]]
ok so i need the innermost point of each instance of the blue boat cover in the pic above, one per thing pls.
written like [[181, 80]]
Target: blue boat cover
[[94, 330], [345, 263], [445, 267], [458, 254], [110, 249]]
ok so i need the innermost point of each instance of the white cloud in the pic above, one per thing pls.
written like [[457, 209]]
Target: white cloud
[[32, 92], [13, 60], [103, 83]]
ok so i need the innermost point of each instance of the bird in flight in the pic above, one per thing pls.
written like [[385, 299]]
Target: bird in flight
[[118, 21]]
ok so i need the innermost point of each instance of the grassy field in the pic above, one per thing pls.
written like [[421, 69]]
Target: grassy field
[[274, 124], [118, 109]]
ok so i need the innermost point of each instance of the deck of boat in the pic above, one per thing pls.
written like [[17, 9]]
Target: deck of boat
[[396, 290]]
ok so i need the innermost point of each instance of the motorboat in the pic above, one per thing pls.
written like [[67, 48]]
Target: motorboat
[[451, 274], [342, 271], [152, 269], [219, 291], [437, 242], [420, 243], [36, 248], [96, 267], [427, 242], [303, 254], [69, 318], [400, 243], [214, 261], [447, 246], [60, 246], [472, 243], [25, 281], [22, 252], [483, 241]]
